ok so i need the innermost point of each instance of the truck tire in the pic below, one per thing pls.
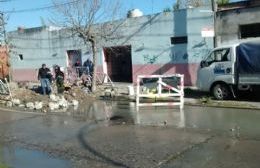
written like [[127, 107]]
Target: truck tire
[[220, 91]]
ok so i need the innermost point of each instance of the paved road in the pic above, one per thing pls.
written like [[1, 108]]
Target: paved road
[[111, 134]]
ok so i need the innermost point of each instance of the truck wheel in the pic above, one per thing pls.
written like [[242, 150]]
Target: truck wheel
[[221, 91]]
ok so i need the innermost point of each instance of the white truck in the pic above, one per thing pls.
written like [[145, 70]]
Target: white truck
[[229, 69]]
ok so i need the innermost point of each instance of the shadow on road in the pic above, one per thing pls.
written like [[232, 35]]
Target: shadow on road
[[241, 96], [196, 94]]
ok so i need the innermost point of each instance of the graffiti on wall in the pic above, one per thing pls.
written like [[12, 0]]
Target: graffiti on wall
[[193, 53], [200, 49], [178, 56], [150, 59]]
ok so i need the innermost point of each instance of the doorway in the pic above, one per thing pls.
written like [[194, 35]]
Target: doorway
[[74, 57], [119, 63]]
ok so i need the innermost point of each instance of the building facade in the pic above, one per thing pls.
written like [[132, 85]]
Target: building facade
[[238, 21], [163, 43]]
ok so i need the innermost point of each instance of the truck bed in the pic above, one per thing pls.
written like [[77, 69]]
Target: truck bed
[[248, 58], [253, 79]]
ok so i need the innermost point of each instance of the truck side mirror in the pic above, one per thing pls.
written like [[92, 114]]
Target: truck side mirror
[[203, 64]]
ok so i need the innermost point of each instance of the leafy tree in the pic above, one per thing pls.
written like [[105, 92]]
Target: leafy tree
[[180, 4], [167, 10], [222, 2]]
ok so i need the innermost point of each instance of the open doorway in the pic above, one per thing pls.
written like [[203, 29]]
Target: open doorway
[[74, 64], [74, 58], [119, 63]]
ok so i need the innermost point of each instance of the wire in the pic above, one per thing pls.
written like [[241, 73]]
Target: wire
[[39, 39], [39, 8], [48, 48], [6, 0]]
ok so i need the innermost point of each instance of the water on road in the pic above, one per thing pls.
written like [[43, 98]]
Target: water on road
[[24, 158], [115, 134]]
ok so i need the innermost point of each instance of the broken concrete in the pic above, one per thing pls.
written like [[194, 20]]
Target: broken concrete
[[75, 102], [38, 105], [30, 105], [16, 102], [9, 104], [54, 98], [53, 106]]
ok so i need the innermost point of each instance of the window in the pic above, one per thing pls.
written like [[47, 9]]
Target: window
[[179, 40], [250, 30], [222, 55], [21, 56]]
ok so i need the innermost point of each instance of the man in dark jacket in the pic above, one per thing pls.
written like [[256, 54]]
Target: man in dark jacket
[[59, 77], [44, 75]]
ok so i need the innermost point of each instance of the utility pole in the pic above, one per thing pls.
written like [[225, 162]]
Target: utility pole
[[214, 10]]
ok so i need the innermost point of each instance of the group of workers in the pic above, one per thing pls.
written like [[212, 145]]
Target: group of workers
[[45, 76]]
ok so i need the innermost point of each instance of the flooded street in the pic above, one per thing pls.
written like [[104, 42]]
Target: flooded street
[[17, 157], [115, 134]]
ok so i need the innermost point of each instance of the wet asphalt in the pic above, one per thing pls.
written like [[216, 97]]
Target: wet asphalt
[[114, 134]]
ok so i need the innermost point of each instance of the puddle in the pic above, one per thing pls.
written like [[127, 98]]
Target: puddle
[[234, 121], [241, 122], [22, 158]]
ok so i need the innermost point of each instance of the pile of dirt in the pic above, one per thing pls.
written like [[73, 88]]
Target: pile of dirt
[[27, 95], [73, 93]]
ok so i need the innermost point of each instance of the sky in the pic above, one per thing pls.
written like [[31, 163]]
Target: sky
[[36, 18]]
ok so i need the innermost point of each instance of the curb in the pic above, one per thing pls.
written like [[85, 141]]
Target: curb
[[222, 106], [6, 109]]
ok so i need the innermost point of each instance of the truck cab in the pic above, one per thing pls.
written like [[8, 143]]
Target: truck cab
[[232, 68], [217, 71]]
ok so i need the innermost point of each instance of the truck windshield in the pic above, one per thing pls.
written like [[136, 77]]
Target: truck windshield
[[220, 55]]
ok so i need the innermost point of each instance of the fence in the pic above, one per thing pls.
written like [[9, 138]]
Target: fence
[[160, 86], [5, 88]]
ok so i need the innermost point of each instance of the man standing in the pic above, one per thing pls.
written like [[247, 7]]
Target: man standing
[[44, 75], [59, 76], [89, 67]]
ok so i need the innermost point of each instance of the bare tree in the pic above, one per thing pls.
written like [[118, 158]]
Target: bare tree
[[2, 29], [91, 20]]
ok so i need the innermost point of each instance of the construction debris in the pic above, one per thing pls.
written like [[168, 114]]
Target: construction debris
[[9, 104], [16, 102], [26, 96], [29, 105], [38, 105]]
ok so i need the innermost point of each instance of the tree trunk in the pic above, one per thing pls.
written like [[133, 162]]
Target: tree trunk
[[94, 52]]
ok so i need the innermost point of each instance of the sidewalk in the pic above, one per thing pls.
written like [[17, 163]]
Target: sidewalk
[[197, 98]]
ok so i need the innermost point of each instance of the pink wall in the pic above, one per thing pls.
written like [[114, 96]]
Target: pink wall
[[20, 75], [23, 75], [189, 71]]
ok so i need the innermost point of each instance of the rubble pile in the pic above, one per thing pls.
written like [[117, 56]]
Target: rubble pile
[[54, 102], [26, 98]]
